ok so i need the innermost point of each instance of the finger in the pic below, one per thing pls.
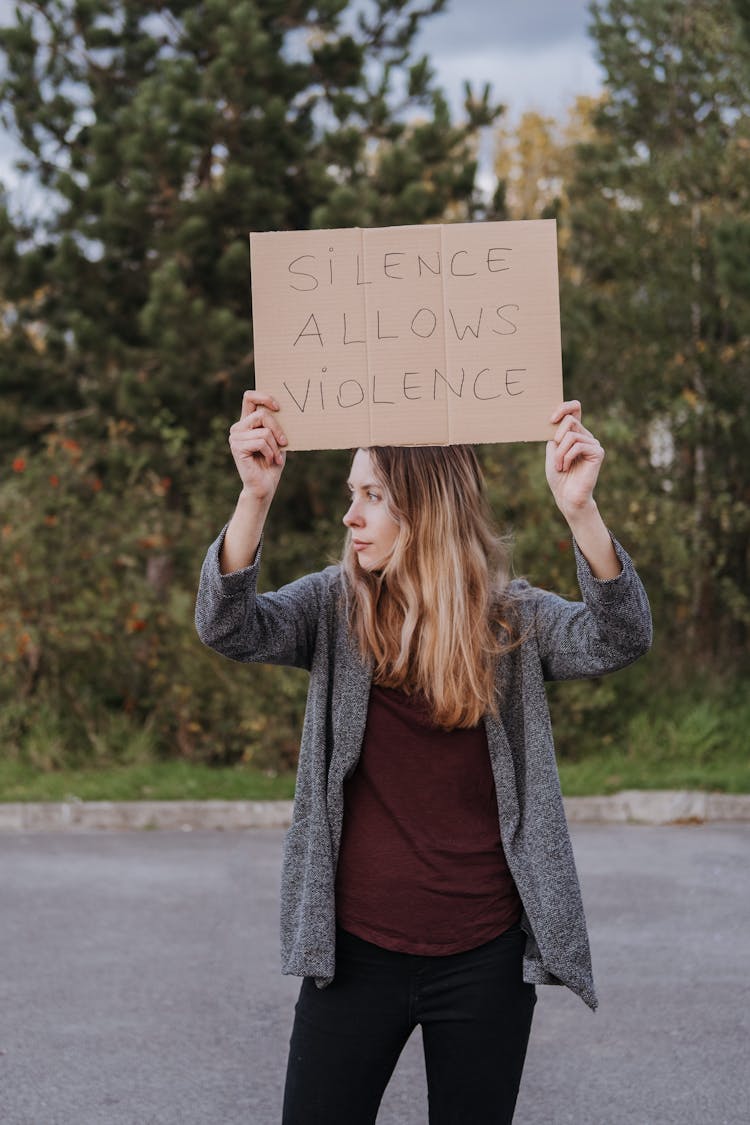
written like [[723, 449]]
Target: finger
[[258, 441], [261, 452], [251, 399], [561, 446], [568, 423], [571, 438], [257, 418], [571, 424], [584, 451], [246, 439], [571, 407]]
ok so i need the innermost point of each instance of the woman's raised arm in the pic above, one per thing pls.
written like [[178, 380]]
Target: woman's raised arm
[[574, 457], [256, 441]]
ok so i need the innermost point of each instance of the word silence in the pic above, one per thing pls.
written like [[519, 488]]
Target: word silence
[[426, 335]]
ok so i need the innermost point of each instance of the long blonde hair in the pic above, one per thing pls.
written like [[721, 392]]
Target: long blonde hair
[[436, 616]]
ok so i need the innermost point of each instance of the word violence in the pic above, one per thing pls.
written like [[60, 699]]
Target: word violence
[[484, 385]]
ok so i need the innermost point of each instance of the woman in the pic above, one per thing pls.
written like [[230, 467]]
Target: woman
[[428, 875]]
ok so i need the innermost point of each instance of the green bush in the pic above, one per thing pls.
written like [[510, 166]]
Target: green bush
[[99, 660], [100, 665]]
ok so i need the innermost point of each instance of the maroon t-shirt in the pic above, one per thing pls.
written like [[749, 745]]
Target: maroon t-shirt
[[421, 867]]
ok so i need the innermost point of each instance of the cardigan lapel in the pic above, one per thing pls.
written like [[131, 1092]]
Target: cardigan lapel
[[352, 679], [503, 770]]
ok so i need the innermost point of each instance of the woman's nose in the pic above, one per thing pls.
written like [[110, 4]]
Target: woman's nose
[[352, 518]]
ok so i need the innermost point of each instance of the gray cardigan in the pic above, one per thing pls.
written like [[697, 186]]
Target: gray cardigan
[[304, 624]]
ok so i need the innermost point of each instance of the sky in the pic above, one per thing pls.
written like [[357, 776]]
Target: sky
[[535, 53]]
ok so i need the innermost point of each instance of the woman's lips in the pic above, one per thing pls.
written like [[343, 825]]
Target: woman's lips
[[359, 544]]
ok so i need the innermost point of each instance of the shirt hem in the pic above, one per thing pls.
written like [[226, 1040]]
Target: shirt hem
[[423, 949]]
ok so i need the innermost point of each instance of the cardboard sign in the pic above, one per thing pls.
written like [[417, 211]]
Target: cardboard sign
[[422, 335]]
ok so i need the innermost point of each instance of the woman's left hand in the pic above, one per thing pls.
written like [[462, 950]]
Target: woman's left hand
[[574, 458]]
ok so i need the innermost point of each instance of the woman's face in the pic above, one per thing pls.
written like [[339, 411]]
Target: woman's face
[[373, 528]]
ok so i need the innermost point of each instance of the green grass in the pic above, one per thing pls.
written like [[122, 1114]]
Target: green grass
[[611, 771], [691, 737], [680, 739], [602, 773], [160, 781]]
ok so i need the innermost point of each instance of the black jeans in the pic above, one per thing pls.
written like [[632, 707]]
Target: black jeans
[[475, 1011]]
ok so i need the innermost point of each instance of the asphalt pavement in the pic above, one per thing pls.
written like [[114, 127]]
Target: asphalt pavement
[[140, 983]]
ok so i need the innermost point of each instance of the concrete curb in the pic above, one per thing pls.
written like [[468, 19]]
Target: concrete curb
[[665, 806], [125, 815], [660, 806]]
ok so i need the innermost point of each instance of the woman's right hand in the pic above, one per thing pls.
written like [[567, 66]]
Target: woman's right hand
[[257, 441]]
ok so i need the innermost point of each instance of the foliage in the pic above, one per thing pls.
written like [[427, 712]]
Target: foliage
[[161, 134], [536, 160], [100, 663], [656, 300]]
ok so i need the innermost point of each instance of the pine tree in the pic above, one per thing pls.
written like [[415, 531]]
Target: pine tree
[[658, 328], [162, 134], [743, 11]]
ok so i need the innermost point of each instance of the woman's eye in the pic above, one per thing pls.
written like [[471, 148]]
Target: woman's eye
[[351, 496]]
